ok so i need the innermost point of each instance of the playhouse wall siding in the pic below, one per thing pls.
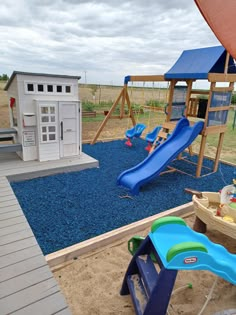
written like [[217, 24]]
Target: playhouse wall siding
[[13, 92], [27, 103], [49, 151]]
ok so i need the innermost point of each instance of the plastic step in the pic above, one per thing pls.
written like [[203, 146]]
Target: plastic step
[[148, 272], [138, 293]]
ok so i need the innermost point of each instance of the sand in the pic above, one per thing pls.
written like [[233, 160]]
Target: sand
[[92, 282]]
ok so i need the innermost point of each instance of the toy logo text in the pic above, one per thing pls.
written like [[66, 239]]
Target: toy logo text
[[190, 260]]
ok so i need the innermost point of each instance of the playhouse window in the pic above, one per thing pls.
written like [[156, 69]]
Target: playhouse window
[[45, 119], [30, 87], [44, 110], [40, 88], [68, 89], [52, 110], [59, 88], [52, 128], [50, 88], [48, 133], [52, 137], [48, 126]]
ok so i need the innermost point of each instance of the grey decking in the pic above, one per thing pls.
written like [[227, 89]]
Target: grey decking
[[10, 147], [4, 131], [27, 285], [6, 135]]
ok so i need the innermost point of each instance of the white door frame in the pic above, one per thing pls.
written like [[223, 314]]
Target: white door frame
[[64, 134]]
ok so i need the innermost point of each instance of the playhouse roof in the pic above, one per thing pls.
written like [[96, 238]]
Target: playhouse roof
[[197, 63], [38, 74]]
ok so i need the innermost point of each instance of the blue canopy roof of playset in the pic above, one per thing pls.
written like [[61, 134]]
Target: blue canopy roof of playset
[[197, 63]]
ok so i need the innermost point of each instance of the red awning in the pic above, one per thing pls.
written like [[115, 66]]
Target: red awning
[[220, 16]]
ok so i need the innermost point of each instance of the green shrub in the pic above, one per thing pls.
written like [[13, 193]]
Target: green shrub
[[155, 103], [87, 106], [203, 97], [233, 99]]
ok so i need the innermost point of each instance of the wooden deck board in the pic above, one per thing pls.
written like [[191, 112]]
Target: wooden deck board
[[12, 214], [10, 208], [18, 245], [32, 294], [27, 285], [22, 267], [21, 255], [52, 304], [12, 229], [7, 203], [14, 237], [12, 221], [26, 280]]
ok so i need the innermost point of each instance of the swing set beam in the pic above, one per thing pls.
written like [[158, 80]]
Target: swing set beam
[[124, 98]]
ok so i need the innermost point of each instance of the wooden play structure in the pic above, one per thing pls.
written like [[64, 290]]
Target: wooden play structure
[[213, 64]]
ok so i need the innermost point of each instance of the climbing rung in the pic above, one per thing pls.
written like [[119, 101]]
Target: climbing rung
[[137, 293], [162, 134], [148, 272]]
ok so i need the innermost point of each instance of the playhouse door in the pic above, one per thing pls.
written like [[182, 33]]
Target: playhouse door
[[69, 128]]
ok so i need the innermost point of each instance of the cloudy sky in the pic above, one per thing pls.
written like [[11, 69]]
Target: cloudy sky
[[102, 41]]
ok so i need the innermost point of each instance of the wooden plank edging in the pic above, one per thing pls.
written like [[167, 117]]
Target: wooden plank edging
[[71, 252]]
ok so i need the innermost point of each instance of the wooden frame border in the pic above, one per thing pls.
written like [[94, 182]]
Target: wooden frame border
[[72, 252]]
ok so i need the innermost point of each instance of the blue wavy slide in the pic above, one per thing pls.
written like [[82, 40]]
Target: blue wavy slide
[[182, 136]]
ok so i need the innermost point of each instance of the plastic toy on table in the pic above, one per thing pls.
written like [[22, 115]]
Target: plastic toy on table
[[216, 209]]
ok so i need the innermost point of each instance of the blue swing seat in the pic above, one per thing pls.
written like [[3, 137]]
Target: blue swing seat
[[151, 136], [136, 131]]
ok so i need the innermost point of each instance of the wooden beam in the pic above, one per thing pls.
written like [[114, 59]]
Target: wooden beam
[[125, 97], [147, 78], [131, 113], [223, 89], [204, 92], [108, 116], [218, 109], [211, 130], [221, 77]]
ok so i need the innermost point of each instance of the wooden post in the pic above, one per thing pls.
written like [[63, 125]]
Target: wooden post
[[131, 114], [201, 156], [188, 95], [226, 63], [219, 147], [108, 116], [122, 109], [170, 99]]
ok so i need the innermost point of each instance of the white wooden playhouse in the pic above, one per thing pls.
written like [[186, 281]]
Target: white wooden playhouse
[[45, 115]]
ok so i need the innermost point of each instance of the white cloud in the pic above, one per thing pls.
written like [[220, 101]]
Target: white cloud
[[107, 39]]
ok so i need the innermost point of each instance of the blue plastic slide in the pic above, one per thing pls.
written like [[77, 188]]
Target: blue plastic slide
[[181, 248], [182, 136]]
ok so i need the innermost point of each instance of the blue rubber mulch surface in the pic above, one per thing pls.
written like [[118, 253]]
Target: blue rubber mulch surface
[[68, 208]]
